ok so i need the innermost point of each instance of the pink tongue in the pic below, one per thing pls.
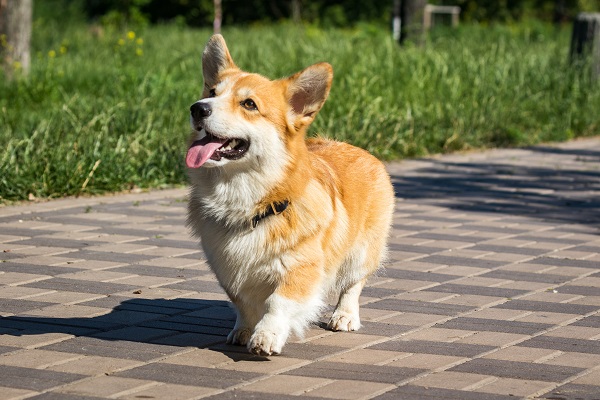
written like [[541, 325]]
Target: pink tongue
[[202, 150]]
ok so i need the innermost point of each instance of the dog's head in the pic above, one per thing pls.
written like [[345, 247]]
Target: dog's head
[[246, 120]]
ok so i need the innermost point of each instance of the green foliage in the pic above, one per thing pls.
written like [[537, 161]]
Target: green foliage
[[323, 13], [107, 110]]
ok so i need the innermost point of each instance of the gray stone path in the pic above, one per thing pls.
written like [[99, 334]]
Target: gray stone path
[[492, 292]]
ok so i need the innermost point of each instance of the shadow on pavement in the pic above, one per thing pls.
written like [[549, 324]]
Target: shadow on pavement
[[177, 322], [556, 192]]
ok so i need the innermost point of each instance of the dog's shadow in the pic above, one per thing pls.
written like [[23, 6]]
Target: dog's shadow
[[159, 322]]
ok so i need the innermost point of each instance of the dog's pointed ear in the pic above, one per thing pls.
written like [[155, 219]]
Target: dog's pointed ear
[[307, 91], [215, 59]]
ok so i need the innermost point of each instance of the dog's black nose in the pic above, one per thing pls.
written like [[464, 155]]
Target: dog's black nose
[[200, 110]]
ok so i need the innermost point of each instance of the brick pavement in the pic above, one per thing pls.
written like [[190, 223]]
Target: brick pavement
[[492, 292]]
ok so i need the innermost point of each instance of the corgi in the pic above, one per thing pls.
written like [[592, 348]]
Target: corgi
[[284, 221]]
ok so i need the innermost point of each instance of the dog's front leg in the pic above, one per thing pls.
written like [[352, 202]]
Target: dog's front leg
[[273, 329], [247, 318]]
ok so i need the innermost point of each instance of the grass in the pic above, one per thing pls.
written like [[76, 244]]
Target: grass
[[108, 110]]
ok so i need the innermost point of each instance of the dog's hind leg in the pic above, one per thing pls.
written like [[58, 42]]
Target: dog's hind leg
[[352, 277], [346, 317]]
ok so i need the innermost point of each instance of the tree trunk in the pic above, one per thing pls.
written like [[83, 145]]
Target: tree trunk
[[15, 31], [411, 18], [396, 20], [585, 42], [296, 11], [218, 16]]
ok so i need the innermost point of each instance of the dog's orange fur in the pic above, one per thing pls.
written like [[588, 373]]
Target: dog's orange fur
[[333, 234]]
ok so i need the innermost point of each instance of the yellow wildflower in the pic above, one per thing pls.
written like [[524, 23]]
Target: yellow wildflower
[[62, 50], [139, 41], [52, 54], [17, 65], [121, 42], [131, 35], [139, 52]]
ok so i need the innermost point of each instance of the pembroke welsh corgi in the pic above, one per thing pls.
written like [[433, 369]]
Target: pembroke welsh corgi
[[284, 220]]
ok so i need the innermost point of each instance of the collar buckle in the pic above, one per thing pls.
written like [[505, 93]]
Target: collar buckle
[[274, 209]]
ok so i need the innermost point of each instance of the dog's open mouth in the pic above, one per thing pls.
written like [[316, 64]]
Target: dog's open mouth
[[214, 148]]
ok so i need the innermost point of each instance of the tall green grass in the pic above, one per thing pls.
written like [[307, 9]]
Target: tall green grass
[[107, 110]]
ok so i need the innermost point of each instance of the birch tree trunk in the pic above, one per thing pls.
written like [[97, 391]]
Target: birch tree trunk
[[15, 31]]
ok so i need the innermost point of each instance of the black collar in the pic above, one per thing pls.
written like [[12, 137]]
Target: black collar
[[273, 209]]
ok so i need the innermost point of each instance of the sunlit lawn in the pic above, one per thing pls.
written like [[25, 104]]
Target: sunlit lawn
[[107, 110]]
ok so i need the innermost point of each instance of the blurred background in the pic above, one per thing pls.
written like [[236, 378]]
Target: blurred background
[[102, 102]]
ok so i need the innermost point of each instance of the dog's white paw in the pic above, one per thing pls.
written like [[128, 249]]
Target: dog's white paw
[[239, 336], [343, 321], [265, 343]]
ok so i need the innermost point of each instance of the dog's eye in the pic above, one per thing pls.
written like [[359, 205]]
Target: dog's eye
[[249, 104], [212, 93]]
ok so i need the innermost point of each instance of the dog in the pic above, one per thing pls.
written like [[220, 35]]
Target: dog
[[284, 221]]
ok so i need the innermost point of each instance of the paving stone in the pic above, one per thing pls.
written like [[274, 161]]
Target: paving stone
[[76, 285], [39, 269], [418, 307], [196, 285], [431, 347], [414, 392], [564, 308], [416, 275], [593, 321], [438, 334], [477, 290], [580, 290], [49, 241], [127, 350], [284, 385], [526, 276], [34, 379], [508, 249], [129, 258], [169, 391], [64, 396], [7, 349], [563, 344], [382, 328], [242, 394], [468, 262], [575, 332], [188, 375], [361, 372], [565, 262], [517, 370], [105, 386], [573, 391], [39, 325], [191, 325], [484, 324], [452, 380], [183, 273], [93, 365], [191, 340], [39, 359], [349, 389], [524, 354], [18, 278], [10, 306], [514, 387]]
